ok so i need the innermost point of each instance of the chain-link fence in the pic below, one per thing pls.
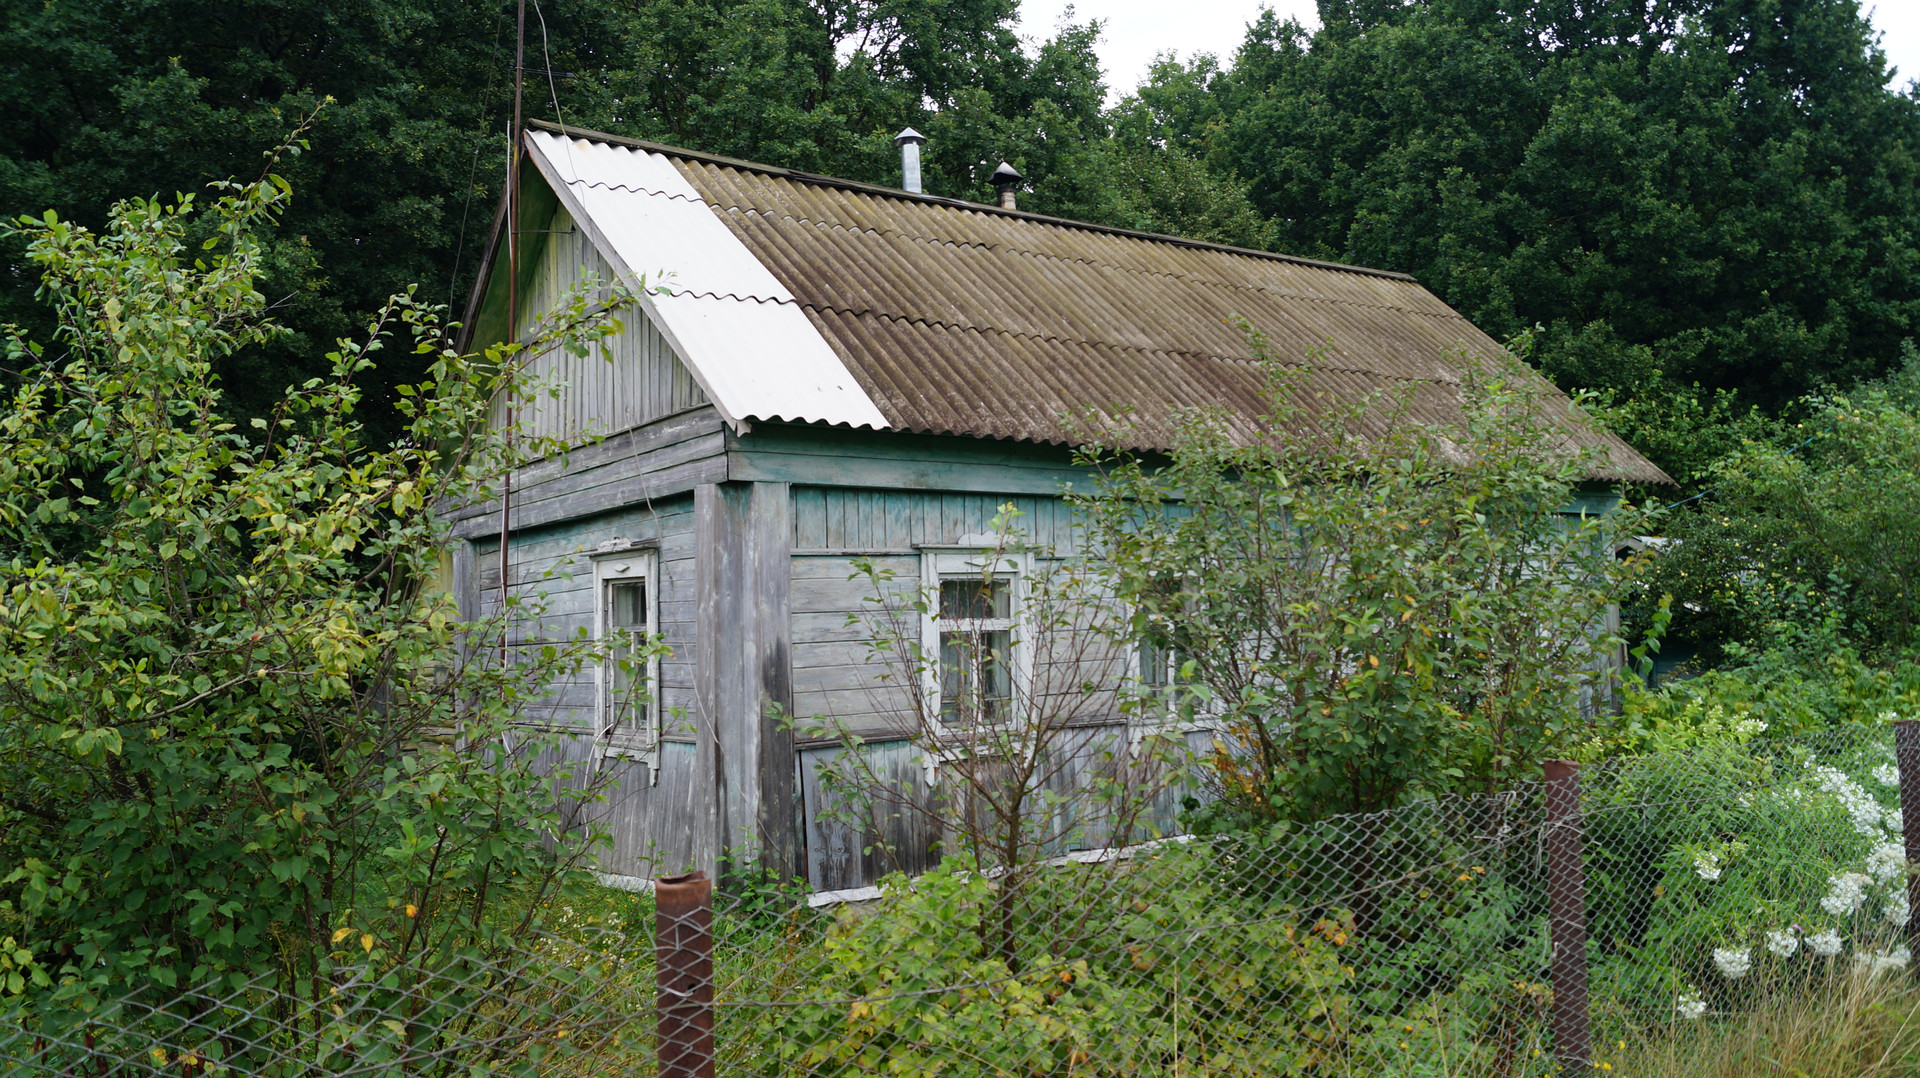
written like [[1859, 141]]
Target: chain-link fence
[[1501, 933]]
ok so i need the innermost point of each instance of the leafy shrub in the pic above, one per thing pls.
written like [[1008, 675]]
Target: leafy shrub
[[1168, 963], [915, 991], [1742, 865], [1792, 534], [1373, 608], [245, 733]]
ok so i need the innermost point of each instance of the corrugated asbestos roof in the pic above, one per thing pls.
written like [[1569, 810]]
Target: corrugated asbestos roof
[[957, 318], [743, 335]]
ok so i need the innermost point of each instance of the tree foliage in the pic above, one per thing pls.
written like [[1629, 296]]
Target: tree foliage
[[105, 101], [1685, 197], [1369, 606], [243, 731], [1812, 547]]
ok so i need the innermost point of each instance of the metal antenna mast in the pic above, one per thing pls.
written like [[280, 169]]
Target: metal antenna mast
[[514, 134]]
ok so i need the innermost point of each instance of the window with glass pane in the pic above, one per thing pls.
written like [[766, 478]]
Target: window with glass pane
[[1162, 653], [1161, 661], [625, 619], [976, 650], [1156, 660]]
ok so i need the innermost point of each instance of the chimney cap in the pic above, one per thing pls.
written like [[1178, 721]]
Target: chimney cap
[[1006, 176], [908, 134]]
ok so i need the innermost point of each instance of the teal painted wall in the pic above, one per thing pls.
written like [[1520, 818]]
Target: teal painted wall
[[853, 495], [827, 518]]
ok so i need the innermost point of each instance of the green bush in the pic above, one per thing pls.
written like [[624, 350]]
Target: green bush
[[1373, 608], [1817, 535], [1742, 865], [244, 731]]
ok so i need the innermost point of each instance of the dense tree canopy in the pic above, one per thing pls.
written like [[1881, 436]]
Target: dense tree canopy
[[1688, 198], [108, 100], [1719, 192]]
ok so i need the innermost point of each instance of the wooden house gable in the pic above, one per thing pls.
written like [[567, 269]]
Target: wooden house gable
[[628, 379]]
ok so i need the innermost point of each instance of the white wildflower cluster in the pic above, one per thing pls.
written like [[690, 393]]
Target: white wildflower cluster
[[1887, 862], [1707, 864], [1734, 963], [1690, 1005], [1877, 961], [1847, 892], [1873, 887], [1866, 812], [1749, 728]]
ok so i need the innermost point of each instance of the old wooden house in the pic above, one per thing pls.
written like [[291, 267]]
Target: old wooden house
[[833, 370]]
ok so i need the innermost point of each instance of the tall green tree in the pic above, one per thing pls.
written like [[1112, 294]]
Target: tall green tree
[[103, 101], [1711, 192], [107, 100], [1160, 137], [238, 718]]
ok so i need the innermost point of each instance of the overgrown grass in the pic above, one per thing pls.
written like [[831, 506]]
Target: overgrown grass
[[1848, 1026]]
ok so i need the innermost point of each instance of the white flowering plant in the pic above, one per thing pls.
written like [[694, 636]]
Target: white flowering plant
[[1745, 864]]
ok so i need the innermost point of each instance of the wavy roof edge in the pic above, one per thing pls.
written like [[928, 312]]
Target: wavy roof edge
[[817, 179]]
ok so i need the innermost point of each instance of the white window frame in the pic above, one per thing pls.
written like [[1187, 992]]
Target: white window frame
[[971, 562], [639, 737], [1163, 716]]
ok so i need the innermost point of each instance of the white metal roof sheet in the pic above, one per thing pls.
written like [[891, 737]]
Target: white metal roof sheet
[[737, 328]]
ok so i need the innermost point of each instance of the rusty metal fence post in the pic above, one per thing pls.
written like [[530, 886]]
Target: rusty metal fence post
[[1567, 915], [683, 949], [1906, 757]]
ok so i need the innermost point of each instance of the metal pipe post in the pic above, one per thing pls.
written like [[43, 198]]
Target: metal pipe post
[[683, 948], [1906, 756], [1567, 916]]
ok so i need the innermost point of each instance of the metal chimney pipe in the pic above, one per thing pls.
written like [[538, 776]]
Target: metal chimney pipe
[[909, 142], [1007, 181]]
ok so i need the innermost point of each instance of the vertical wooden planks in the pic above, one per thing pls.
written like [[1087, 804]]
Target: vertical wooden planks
[[631, 378], [853, 843], [714, 572], [745, 668], [779, 803]]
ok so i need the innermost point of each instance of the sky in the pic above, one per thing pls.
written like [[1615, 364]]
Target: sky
[[1136, 30]]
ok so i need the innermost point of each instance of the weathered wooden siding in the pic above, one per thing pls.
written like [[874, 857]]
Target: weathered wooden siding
[[763, 610], [853, 842], [656, 826], [836, 673], [661, 459], [840, 681], [745, 679], [841, 519], [837, 676], [632, 377]]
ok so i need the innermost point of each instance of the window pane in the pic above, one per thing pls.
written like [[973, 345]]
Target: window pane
[[996, 684], [975, 679], [627, 605], [955, 657], [1153, 664], [975, 599], [625, 620]]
